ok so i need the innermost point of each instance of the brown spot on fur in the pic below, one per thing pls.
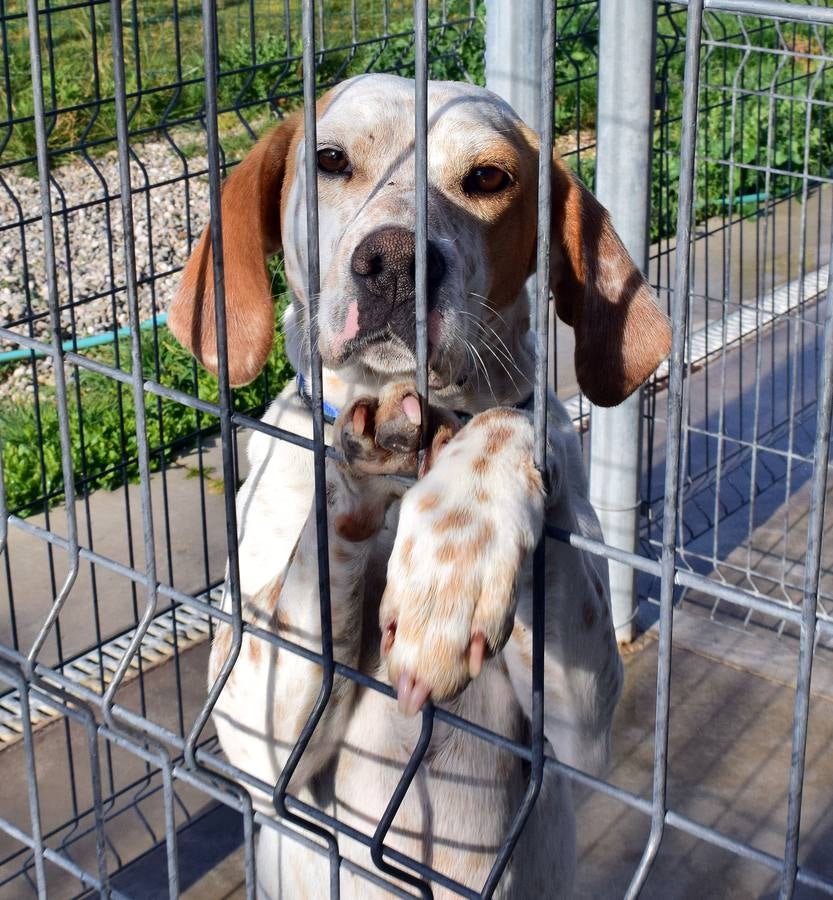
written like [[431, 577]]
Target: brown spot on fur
[[357, 525], [466, 552], [497, 440], [492, 417], [407, 551], [441, 438], [511, 226], [481, 465], [254, 650], [482, 496], [453, 520], [279, 622], [487, 532], [449, 551], [428, 502], [273, 593]]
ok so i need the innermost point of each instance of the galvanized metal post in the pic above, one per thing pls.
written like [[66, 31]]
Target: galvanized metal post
[[513, 55], [623, 172], [513, 71]]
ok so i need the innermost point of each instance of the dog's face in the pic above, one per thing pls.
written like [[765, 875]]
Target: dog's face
[[482, 224], [481, 198]]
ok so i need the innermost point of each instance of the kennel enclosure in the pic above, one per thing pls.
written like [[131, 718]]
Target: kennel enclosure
[[719, 182]]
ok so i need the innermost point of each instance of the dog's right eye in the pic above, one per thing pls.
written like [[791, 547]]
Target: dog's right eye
[[333, 161]]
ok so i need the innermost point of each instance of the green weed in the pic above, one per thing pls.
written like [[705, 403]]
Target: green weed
[[102, 419]]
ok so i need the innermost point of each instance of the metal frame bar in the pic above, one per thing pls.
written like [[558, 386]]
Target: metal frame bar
[[627, 36]]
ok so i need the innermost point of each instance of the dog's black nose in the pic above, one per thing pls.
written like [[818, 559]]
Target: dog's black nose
[[384, 269]]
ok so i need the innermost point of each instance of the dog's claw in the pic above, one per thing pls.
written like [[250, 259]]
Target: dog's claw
[[477, 653], [388, 637], [411, 408], [359, 419], [411, 694]]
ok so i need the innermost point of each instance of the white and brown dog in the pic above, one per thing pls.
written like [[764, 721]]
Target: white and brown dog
[[431, 586]]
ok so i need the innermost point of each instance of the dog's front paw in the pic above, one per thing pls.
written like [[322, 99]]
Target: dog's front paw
[[464, 531], [382, 436]]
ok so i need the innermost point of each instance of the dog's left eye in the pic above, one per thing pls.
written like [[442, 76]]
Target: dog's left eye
[[486, 180], [333, 161]]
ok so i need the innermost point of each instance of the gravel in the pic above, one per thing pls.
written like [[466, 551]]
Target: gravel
[[89, 246]]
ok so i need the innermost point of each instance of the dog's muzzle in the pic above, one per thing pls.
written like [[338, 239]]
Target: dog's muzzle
[[384, 271]]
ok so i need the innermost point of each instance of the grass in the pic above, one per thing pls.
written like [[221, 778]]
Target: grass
[[260, 77], [259, 65], [752, 97], [102, 419]]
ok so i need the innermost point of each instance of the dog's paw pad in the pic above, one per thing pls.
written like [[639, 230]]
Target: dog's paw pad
[[355, 431], [383, 435], [399, 421]]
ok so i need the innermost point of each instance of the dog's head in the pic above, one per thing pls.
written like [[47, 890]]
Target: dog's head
[[482, 209]]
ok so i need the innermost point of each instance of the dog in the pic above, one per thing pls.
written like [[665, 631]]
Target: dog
[[431, 584]]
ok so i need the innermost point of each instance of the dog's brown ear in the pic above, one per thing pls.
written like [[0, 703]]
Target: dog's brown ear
[[251, 214], [621, 335]]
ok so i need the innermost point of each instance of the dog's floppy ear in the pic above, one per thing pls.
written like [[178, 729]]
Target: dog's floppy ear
[[621, 335], [251, 217]]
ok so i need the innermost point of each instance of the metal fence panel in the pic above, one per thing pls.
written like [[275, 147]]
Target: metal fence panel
[[110, 646]]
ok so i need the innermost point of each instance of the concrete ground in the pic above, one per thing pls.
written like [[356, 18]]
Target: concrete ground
[[190, 533], [729, 758]]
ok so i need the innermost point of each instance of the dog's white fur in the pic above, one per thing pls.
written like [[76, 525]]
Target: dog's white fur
[[441, 572]]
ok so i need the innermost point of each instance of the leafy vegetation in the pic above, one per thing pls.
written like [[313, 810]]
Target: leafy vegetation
[[754, 96], [102, 418], [259, 70], [765, 96]]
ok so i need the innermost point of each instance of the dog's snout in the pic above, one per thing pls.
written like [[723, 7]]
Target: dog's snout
[[384, 266]]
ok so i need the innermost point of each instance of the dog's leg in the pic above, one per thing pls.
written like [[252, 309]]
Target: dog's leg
[[462, 560], [271, 692], [464, 531]]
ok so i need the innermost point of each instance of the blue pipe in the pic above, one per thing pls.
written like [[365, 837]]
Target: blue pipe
[[94, 340]]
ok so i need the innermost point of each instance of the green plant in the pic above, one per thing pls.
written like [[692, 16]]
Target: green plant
[[102, 419], [261, 74], [758, 109]]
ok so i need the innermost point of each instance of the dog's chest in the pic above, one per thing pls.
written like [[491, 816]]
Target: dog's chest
[[441, 820]]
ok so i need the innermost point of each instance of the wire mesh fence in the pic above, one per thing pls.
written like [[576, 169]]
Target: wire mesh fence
[[121, 456], [760, 258]]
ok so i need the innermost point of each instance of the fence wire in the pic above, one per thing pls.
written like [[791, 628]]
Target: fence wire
[[119, 122]]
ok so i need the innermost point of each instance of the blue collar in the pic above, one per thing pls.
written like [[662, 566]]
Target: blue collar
[[331, 412]]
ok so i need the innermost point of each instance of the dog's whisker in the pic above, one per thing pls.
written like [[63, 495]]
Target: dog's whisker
[[486, 375], [488, 306], [506, 359]]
